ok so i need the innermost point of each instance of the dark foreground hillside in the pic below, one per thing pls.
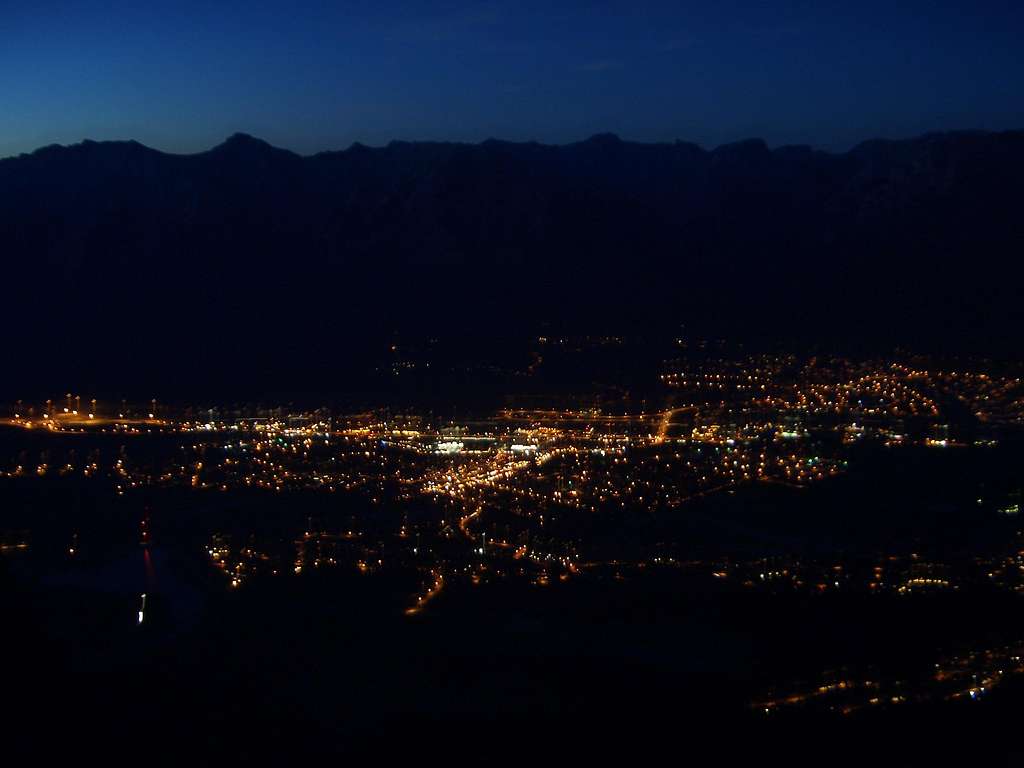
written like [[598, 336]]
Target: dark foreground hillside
[[247, 261]]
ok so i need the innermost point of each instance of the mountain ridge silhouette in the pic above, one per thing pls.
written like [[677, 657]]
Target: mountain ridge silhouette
[[906, 241]]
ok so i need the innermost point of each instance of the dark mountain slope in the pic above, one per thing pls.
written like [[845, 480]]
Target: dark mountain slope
[[116, 252]]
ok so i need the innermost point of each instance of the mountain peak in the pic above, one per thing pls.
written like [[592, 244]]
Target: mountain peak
[[603, 140], [241, 138], [244, 142]]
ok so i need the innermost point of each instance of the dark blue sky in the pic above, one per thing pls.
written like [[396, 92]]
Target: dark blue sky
[[318, 75]]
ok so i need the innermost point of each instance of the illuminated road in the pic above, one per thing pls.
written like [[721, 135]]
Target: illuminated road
[[432, 591], [666, 421], [76, 423]]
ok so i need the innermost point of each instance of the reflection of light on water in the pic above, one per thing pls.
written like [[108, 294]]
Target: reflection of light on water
[[142, 608]]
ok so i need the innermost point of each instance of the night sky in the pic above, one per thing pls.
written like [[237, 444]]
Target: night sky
[[318, 75]]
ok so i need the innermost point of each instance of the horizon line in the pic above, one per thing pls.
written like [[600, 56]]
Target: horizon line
[[606, 137]]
